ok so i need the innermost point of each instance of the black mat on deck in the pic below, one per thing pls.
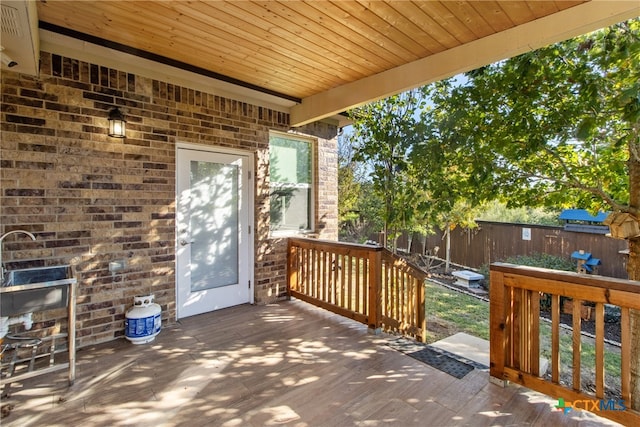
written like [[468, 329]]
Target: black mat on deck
[[442, 360]]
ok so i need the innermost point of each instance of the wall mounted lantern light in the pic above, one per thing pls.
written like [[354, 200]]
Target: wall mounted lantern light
[[117, 123]]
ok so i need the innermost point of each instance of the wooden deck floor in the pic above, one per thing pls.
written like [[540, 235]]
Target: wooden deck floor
[[285, 364]]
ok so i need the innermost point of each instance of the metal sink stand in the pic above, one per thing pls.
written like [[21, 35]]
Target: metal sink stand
[[14, 343]]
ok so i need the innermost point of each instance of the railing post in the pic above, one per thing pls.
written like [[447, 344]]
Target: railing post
[[375, 291], [422, 309], [497, 326], [292, 269]]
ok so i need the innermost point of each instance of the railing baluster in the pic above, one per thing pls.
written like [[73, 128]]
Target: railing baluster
[[305, 272], [509, 320], [312, 270], [534, 300], [396, 287], [517, 329], [577, 342], [336, 275], [625, 354], [365, 286], [358, 284], [375, 288], [323, 283], [555, 339], [343, 267], [599, 350], [422, 309], [498, 327]]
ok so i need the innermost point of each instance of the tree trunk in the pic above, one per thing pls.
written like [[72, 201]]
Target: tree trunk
[[448, 248], [633, 268]]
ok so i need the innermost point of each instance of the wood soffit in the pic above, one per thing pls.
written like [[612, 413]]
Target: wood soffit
[[318, 54]]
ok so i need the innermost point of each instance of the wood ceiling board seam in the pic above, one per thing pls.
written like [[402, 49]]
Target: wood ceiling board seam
[[317, 35], [242, 57], [446, 20], [350, 22], [518, 12], [358, 45], [541, 9], [262, 36], [419, 39], [307, 75], [475, 23], [440, 37], [497, 17], [290, 33], [382, 29]]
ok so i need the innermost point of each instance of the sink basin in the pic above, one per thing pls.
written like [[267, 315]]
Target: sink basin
[[36, 275], [35, 289]]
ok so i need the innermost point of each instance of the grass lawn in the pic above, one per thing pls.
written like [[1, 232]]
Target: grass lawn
[[450, 312]]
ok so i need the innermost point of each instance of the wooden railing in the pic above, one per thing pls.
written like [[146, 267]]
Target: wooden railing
[[365, 283], [515, 307]]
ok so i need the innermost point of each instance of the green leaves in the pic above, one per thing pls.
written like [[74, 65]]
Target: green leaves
[[547, 127], [555, 127]]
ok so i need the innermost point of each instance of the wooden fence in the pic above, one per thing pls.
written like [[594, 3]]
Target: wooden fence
[[497, 241], [365, 283], [515, 347]]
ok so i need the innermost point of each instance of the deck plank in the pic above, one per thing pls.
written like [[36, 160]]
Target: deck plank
[[286, 364]]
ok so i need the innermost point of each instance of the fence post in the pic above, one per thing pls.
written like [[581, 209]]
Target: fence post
[[497, 326], [375, 291]]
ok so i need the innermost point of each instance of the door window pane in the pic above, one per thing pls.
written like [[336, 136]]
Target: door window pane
[[214, 225]]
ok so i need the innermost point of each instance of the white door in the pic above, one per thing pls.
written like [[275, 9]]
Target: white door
[[213, 241]]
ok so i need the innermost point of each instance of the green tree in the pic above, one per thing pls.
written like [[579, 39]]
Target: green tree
[[498, 211], [359, 212], [385, 133], [557, 127]]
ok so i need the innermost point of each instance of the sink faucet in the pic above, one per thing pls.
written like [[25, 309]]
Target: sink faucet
[[8, 233]]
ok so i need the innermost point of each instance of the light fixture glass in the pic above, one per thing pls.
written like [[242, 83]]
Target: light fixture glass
[[117, 123]]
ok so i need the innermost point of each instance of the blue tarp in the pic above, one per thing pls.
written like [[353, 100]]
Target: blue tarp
[[582, 215], [578, 255]]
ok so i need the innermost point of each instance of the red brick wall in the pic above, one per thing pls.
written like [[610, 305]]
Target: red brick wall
[[92, 199]]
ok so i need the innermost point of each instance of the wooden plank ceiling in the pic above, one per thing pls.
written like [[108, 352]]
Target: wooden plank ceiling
[[295, 49]]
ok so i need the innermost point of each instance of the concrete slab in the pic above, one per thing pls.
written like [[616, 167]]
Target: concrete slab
[[465, 345], [473, 348]]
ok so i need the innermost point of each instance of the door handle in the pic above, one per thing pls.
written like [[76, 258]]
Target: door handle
[[184, 242]]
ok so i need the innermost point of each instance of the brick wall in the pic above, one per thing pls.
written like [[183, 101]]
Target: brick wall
[[92, 199]]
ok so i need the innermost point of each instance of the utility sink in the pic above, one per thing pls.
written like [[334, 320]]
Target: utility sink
[[35, 289]]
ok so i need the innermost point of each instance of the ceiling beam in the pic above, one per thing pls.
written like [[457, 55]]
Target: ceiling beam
[[572, 22]]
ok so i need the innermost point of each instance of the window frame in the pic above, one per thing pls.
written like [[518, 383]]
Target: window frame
[[313, 144]]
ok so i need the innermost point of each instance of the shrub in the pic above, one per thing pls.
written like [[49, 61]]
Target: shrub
[[535, 260], [544, 261]]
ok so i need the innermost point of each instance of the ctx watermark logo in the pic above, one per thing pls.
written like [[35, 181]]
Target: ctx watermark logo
[[591, 405]]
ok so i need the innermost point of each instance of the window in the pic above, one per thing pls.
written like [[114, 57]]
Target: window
[[291, 184]]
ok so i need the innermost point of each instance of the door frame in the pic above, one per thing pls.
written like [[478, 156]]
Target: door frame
[[251, 206]]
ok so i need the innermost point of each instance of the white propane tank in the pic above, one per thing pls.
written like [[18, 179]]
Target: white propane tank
[[142, 321]]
